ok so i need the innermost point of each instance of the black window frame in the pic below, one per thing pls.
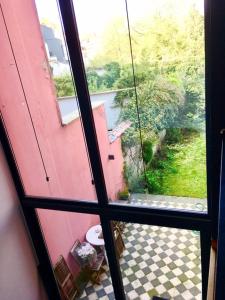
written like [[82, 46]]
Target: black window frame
[[206, 223]]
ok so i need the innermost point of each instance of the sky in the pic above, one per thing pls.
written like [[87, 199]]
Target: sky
[[94, 15]]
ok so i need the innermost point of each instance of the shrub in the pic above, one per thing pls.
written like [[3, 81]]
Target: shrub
[[137, 185], [122, 96], [123, 195], [147, 151], [187, 132], [173, 135], [153, 179], [64, 85]]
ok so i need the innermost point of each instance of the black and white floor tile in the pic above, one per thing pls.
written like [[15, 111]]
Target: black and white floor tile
[[156, 261], [169, 202]]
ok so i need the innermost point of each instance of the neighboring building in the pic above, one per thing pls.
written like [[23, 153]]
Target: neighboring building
[[55, 50], [57, 68], [55, 45], [68, 107]]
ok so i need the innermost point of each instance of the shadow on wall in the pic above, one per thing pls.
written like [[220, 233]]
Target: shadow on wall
[[19, 277], [62, 229]]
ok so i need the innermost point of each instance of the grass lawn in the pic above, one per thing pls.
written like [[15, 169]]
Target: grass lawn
[[189, 163]]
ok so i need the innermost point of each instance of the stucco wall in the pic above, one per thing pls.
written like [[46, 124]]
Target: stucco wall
[[19, 276], [66, 105], [62, 229], [63, 148]]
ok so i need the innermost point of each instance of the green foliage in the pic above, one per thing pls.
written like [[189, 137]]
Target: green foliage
[[169, 76], [126, 82], [95, 82], [64, 85], [115, 44], [164, 47], [130, 138], [106, 81], [173, 135], [162, 162], [138, 185], [122, 97], [153, 180], [111, 75], [158, 101], [135, 182], [180, 169], [147, 151], [189, 160], [126, 79], [123, 195]]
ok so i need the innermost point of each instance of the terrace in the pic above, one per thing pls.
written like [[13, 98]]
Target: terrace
[[157, 261], [169, 202]]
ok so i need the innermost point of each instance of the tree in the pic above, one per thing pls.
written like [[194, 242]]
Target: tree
[[168, 56], [158, 103], [64, 85], [95, 82], [111, 75], [114, 45]]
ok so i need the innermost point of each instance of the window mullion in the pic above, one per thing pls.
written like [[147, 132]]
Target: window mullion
[[112, 259], [78, 71]]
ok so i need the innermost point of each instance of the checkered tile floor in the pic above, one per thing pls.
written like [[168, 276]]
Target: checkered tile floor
[[169, 202], [156, 261]]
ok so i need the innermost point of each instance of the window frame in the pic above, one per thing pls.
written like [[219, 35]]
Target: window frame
[[108, 213], [206, 223]]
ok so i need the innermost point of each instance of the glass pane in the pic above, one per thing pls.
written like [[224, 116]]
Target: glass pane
[[76, 240], [160, 261], [105, 18], [41, 113], [151, 98]]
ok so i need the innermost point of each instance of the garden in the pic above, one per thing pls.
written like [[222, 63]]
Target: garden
[[180, 168], [161, 94]]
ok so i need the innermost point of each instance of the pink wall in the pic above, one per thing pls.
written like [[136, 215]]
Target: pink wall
[[63, 148], [62, 229], [19, 278], [113, 169]]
